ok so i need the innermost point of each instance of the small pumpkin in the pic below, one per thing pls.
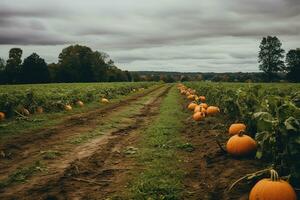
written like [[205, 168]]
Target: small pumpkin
[[192, 106], [272, 188], [2, 116], [204, 105], [68, 107], [202, 98], [79, 103], [198, 108], [236, 128], [104, 100], [198, 116], [191, 97], [25, 112], [212, 110], [39, 110], [241, 145]]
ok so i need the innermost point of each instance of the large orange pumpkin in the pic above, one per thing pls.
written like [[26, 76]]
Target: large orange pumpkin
[[199, 109], [192, 106], [212, 110], [2, 116], [198, 116], [236, 128], [204, 105], [241, 145], [272, 189]]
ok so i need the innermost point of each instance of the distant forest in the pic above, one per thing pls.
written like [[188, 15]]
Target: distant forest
[[78, 63]]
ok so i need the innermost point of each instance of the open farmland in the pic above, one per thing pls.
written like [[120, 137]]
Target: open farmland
[[146, 143]]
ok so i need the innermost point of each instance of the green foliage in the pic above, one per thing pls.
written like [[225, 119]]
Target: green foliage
[[293, 65], [272, 115], [53, 97]]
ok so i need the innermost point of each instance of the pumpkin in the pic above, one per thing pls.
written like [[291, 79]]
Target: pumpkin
[[104, 100], [212, 110], [68, 107], [198, 116], [241, 145], [191, 97], [79, 103], [192, 106], [204, 105], [2, 116], [199, 109], [202, 98], [25, 112], [272, 188], [39, 110], [236, 128]]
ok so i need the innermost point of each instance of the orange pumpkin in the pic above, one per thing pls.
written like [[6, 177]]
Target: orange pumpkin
[[2, 116], [191, 97], [204, 105], [198, 116], [25, 112], [272, 189], [192, 106], [79, 103], [68, 107], [39, 110], [202, 98], [241, 145], [212, 110], [199, 109], [236, 128], [104, 100]]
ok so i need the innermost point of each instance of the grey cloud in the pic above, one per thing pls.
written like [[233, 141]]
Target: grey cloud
[[184, 35]]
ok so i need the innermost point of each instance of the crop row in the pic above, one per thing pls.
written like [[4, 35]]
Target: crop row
[[272, 115], [54, 97]]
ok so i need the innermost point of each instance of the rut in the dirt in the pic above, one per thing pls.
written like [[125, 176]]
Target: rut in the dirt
[[102, 172]]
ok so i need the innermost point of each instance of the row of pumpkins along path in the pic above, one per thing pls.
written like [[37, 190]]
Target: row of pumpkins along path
[[240, 145], [24, 112]]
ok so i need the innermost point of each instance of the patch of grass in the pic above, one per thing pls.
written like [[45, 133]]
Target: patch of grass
[[21, 175], [186, 147], [117, 120], [50, 154], [162, 178]]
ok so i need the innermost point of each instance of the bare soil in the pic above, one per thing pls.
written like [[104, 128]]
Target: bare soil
[[209, 170], [92, 170]]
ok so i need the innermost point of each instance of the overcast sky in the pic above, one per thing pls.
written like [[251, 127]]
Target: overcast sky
[[162, 35]]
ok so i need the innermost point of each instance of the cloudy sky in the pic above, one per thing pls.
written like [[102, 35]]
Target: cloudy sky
[[164, 35]]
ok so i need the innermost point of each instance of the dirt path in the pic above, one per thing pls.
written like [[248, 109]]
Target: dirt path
[[209, 171], [92, 167]]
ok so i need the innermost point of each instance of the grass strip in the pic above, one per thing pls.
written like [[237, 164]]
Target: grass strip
[[162, 176]]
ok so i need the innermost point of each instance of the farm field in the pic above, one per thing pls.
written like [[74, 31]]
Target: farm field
[[146, 142]]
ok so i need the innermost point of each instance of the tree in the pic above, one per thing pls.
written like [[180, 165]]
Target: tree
[[293, 65], [76, 64], [13, 65], [270, 56], [34, 70]]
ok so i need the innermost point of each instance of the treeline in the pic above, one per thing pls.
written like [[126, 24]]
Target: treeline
[[76, 63]]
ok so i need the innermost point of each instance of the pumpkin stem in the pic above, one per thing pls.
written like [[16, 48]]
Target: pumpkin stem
[[241, 133], [274, 175]]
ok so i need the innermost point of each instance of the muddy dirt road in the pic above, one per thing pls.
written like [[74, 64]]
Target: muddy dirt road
[[84, 158]]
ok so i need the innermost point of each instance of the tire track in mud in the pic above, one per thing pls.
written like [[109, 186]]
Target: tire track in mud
[[23, 148], [98, 169]]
